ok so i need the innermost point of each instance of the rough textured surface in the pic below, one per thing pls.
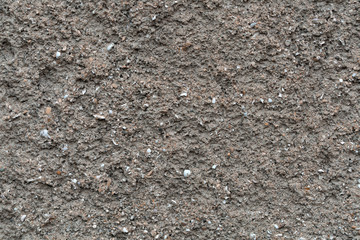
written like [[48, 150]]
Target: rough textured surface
[[105, 104]]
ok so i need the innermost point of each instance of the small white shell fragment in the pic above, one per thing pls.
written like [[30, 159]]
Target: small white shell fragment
[[321, 171], [23, 217], [270, 100], [341, 80], [58, 54], [110, 112], [153, 18], [252, 236], [74, 181], [280, 95], [124, 230], [187, 173], [148, 150], [261, 100], [98, 116], [214, 166], [213, 100], [276, 226], [184, 94], [64, 148], [110, 46], [45, 133]]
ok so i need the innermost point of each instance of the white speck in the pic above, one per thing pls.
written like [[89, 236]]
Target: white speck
[[354, 75], [74, 181], [238, 66], [146, 105], [252, 236], [102, 165], [270, 100], [99, 117], [45, 133], [280, 95], [285, 70], [148, 150], [253, 24], [261, 100], [153, 18], [276, 226], [358, 185], [342, 143], [213, 100], [110, 46], [321, 171], [65, 148], [214, 166], [83, 91], [23, 218], [341, 80], [161, 124], [184, 94], [66, 96], [94, 226], [187, 173], [188, 230], [115, 143], [57, 55], [245, 114], [124, 230]]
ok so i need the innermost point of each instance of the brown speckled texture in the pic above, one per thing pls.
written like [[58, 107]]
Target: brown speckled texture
[[268, 127]]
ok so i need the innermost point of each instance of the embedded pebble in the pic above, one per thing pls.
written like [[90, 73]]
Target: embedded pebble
[[74, 181], [23, 218], [58, 54], [148, 150], [187, 173], [124, 230], [184, 94], [341, 80], [270, 100], [213, 100], [214, 166]]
